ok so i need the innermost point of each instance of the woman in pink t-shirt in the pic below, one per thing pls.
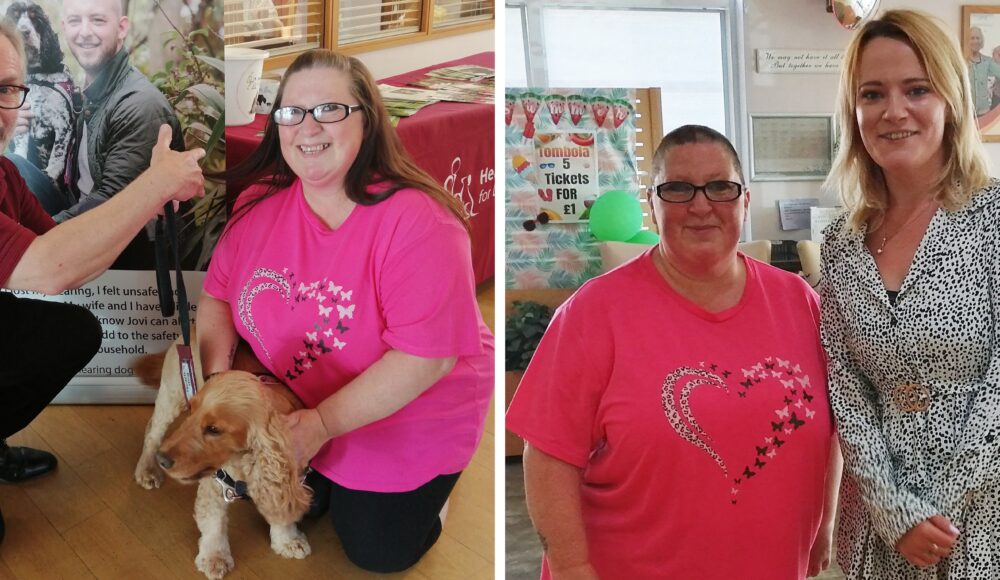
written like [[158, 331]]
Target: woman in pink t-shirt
[[675, 412], [348, 271]]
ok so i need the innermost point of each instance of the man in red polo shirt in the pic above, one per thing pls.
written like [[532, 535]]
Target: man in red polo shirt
[[44, 344]]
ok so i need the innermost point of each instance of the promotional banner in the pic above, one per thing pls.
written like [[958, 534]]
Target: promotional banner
[[564, 148], [176, 48], [127, 306], [567, 174]]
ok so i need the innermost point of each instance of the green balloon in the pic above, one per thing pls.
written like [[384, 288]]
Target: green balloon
[[615, 216], [646, 237]]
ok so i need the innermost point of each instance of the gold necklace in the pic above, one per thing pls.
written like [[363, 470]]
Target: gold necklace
[[886, 238]]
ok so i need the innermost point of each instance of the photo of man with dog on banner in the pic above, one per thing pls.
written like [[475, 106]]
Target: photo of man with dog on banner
[[102, 76]]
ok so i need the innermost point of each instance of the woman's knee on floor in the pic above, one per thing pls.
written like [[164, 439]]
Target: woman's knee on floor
[[389, 551]]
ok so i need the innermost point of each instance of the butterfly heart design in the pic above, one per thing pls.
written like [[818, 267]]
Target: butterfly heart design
[[785, 420], [263, 279], [347, 312], [319, 329]]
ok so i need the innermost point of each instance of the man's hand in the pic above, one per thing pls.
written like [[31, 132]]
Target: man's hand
[[178, 168], [24, 118], [929, 541]]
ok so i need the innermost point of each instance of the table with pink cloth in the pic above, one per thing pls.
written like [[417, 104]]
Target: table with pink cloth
[[453, 142]]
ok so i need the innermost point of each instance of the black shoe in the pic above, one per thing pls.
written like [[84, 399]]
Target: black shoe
[[21, 463]]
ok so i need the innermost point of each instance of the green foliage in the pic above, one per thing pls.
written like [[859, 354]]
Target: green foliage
[[524, 328], [194, 83]]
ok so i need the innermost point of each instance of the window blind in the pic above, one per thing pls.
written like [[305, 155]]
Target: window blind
[[278, 26], [364, 20], [454, 12]]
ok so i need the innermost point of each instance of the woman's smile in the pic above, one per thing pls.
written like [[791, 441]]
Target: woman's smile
[[312, 150]]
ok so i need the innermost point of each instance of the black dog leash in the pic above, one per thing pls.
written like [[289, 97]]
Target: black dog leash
[[163, 240]]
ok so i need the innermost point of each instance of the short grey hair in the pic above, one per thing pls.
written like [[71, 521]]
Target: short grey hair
[[688, 134], [9, 30]]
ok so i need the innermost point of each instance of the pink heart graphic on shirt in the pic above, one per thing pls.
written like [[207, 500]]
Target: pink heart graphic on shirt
[[788, 418], [262, 279], [331, 311]]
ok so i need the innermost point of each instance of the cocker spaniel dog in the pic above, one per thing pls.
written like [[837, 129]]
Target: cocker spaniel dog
[[235, 424], [51, 92]]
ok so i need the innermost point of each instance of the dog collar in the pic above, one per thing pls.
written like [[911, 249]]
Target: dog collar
[[232, 489]]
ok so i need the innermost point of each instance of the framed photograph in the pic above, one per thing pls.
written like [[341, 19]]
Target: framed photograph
[[791, 147], [981, 47]]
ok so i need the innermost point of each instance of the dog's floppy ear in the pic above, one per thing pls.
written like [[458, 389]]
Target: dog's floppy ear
[[50, 55], [273, 477]]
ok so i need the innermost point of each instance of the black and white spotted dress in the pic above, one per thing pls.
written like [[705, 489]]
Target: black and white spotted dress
[[942, 332]]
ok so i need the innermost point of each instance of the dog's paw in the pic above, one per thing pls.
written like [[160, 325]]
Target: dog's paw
[[296, 547], [215, 565], [148, 474]]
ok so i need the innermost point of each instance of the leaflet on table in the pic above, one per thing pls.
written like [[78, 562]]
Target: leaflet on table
[[407, 94], [463, 72], [460, 92], [565, 174], [405, 101]]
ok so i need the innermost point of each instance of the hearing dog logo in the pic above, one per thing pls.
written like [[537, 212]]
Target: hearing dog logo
[[332, 314]]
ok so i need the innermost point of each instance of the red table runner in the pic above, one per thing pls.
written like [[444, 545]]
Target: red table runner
[[453, 142]]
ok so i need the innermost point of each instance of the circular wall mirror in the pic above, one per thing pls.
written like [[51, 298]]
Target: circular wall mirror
[[852, 13]]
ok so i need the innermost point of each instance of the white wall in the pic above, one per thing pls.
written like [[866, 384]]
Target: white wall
[[399, 59], [802, 24]]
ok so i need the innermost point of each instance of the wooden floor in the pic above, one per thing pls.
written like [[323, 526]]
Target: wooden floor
[[89, 519]]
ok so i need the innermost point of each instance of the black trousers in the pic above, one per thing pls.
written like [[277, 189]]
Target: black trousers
[[384, 532], [42, 346]]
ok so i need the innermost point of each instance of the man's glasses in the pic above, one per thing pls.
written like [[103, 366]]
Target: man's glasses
[[683, 192], [12, 96], [325, 113]]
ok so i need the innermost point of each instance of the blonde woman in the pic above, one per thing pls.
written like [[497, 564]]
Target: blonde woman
[[909, 308]]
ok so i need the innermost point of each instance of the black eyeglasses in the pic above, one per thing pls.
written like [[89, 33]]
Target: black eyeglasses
[[12, 96], [325, 113], [683, 192]]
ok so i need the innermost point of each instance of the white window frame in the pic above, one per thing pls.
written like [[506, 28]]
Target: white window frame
[[732, 22], [525, 35]]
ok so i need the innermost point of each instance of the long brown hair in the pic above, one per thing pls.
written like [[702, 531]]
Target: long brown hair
[[381, 157]]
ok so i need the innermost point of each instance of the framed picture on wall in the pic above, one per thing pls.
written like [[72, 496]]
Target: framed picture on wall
[[981, 47], [791, 147]]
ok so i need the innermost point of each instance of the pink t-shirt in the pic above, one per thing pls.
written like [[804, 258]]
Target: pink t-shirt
[[319, 306], [703, 438]]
